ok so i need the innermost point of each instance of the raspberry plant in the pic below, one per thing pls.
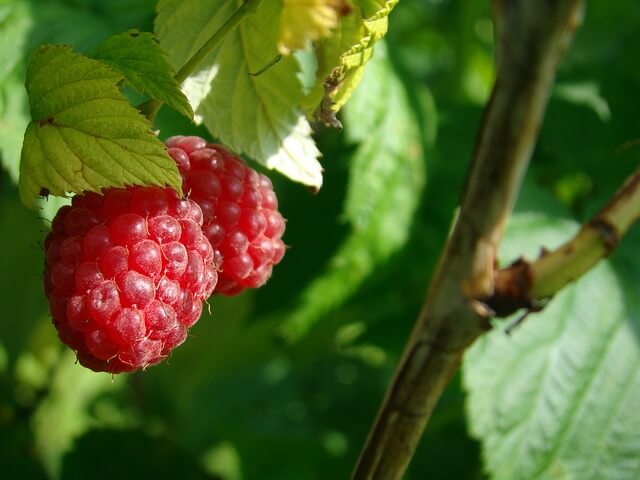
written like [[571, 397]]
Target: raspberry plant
[[147, 115]]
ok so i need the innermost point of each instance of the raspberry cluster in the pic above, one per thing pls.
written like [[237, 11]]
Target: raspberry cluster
[[127, 271], [126, 274], [239, 208]]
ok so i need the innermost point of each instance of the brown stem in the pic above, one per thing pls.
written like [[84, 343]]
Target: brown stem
[[531, 38]]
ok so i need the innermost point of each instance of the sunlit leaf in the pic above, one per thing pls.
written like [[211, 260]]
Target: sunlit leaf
[[84, 135], [304, 20], [343, 55], [254, 114], [557, 398], [146, 68]]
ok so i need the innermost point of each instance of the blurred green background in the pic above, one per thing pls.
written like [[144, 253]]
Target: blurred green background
[[284, 383]]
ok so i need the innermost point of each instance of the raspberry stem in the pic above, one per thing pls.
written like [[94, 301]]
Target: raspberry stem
[[151, 107]]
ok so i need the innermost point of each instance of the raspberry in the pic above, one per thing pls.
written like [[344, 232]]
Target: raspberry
[[239, 209], [126, 274]]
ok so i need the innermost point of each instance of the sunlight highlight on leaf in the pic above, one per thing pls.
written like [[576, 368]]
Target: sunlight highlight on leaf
[[304, 20], [342, 57], [254, 114]]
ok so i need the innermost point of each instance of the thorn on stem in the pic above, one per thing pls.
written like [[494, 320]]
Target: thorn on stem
[[536, 306], [516, 323]]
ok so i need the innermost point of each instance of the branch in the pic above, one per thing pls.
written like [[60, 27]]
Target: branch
[[531, 38], [525, 284]]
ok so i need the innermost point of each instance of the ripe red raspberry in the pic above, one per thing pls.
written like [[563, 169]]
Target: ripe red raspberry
[[126, 273], [240, 212]]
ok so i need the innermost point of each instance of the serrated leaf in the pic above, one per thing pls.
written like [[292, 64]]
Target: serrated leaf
[[558, 399], [256, 115], [343, 55], [145, 66], [386, 178], [84, 135], [304, 20]]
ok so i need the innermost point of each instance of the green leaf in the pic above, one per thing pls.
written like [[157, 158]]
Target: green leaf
[[26, 24], [342, 57], [257, 115], [145, 66], [84, 135], [386, 181], [558, 399]]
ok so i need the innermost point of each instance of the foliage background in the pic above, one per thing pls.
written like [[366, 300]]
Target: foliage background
[[240, 400]]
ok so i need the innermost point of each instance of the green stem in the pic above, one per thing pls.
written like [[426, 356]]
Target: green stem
[[151, 107], [595, 240], [194, 62], [528, 284]]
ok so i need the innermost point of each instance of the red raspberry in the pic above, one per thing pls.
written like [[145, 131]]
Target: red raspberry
[[126, 274], [239, 208]]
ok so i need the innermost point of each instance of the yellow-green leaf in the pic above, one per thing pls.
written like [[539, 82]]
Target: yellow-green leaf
[[343, 55], [84, 134], [304, 20]]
